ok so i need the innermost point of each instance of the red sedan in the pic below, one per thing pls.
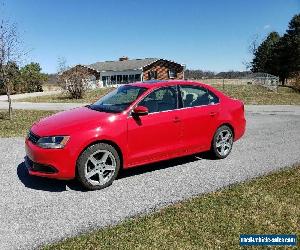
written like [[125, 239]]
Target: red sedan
[[135, 124]]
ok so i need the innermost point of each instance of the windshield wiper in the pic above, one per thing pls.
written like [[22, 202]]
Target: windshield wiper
[[102, 109]]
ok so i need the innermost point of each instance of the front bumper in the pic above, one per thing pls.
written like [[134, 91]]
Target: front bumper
[[51, 163]]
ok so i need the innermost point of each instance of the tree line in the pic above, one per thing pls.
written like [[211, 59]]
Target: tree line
[[23, 80], [279, 55], [202, 74]]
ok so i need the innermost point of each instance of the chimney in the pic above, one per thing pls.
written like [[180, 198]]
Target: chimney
[[123, 58]]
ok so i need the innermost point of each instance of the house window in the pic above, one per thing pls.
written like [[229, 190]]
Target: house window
[[172, 73], [113, 79], [105, 80], [131, 78], [125, 78], [152, 75], [137, 77], [119, 78]]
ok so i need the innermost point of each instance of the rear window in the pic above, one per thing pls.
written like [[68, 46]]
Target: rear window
[[197, 96]]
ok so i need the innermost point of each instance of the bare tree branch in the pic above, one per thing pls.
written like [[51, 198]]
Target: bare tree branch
[[10, 47]]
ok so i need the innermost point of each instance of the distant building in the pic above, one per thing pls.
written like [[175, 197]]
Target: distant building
[[126, 71]]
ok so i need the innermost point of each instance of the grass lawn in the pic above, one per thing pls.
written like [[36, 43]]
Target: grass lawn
[[250, 94], [21, 122], [254, 94], [89, 97], [266, 205]]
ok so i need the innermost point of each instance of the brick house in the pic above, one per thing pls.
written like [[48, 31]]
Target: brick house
[[125, 71]]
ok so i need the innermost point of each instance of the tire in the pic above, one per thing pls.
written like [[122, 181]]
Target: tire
[[222, 142], [98, 166]]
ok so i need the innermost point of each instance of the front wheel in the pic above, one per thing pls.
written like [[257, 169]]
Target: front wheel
[[98, 166], [222, 142]]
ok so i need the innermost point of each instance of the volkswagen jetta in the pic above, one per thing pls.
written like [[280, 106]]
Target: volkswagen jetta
[[135, 124]]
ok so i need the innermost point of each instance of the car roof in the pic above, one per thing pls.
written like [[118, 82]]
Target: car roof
[[153, 84], [159, 83]]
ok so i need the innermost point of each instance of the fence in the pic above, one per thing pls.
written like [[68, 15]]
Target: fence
[[269, 81]]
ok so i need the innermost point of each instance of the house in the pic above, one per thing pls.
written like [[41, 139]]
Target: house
[[131, 70]]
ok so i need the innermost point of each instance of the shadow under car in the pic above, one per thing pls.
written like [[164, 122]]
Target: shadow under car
[[54, 185]]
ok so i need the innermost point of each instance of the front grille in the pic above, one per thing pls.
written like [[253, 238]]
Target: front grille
[[33, 138]]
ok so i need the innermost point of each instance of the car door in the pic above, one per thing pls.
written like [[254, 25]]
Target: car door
[[157, 135], [199, 117]]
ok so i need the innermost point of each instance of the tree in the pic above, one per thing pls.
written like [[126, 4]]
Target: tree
[[62, 66], [280, 55], [289, 49], [75, 80], [9, 52], [32, 77], [293, 42], [13, 73], [231, 74], [198, 74], [265, 55]]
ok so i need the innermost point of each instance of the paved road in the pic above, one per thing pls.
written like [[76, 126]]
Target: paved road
[[41, 106], [35, 211], [26, 95]]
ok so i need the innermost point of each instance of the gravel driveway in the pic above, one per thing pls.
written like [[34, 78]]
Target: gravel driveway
[[36, 211]]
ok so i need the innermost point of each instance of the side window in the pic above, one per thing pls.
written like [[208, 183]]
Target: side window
[[196, 96], [161, 100]]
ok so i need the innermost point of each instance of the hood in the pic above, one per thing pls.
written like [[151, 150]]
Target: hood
[[70, 121]]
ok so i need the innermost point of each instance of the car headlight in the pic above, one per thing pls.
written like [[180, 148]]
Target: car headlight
[[53, 141]]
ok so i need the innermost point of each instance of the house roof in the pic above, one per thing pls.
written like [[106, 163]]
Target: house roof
[[121, 65]]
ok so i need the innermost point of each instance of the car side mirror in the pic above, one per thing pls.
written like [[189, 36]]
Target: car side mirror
[[140, 111]]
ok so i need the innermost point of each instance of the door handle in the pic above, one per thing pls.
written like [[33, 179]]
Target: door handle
[[213, 113], [176, 119]]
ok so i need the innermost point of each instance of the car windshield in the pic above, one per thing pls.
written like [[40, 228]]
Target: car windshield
[[118, 100]]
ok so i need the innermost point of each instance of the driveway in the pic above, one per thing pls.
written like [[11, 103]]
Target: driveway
[[35, 211]]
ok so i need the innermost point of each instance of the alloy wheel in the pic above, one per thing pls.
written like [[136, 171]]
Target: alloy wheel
[[224, 142], [100, 167]]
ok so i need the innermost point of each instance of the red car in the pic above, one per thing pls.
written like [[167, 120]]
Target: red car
[[135, 124]]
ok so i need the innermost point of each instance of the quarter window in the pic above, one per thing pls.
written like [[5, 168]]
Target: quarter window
[[197, 96], [161, 100]]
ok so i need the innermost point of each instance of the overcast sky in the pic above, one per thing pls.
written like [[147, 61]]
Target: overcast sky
[[209, 35]]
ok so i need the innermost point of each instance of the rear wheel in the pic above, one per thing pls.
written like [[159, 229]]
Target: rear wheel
[[222, 142], [98, 166]]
